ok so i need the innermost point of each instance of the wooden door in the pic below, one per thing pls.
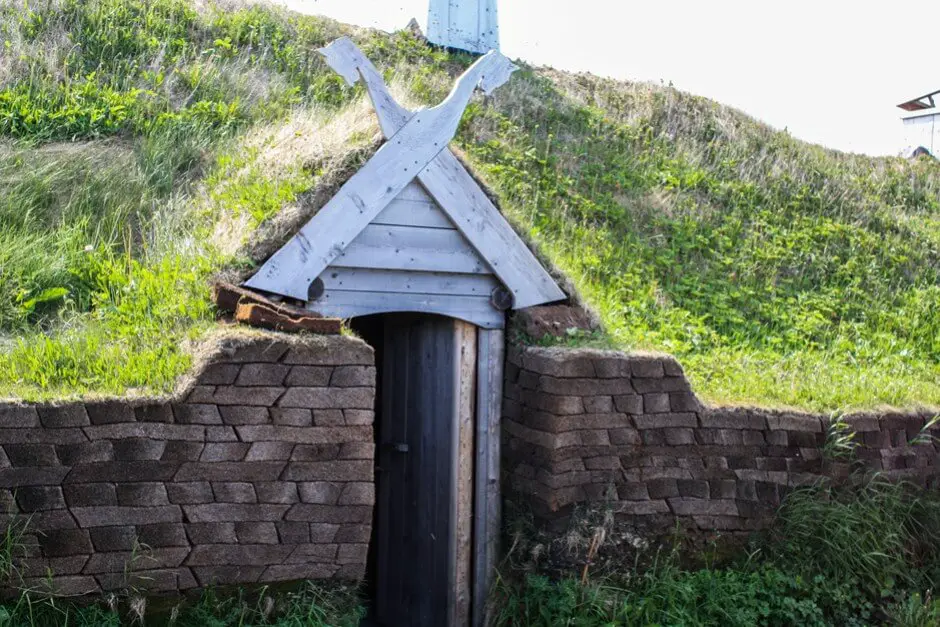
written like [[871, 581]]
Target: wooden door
[[422, 511]]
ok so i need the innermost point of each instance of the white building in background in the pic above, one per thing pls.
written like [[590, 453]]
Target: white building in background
[[922, 124], [470, 25]]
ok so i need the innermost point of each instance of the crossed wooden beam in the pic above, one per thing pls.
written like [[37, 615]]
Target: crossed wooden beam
[[416, 148]]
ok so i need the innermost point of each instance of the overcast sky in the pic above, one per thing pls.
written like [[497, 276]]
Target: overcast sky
[[830, 71]]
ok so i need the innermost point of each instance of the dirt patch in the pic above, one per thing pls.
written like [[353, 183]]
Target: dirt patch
[[554, 320]]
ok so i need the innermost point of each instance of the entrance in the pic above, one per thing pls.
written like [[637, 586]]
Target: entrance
[[420, 554]]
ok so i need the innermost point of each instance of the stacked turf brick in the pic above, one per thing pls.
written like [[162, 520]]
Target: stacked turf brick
[[260, 471], [587, 426]]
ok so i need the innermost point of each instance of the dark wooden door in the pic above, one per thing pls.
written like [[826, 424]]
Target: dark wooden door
[[416, 472]]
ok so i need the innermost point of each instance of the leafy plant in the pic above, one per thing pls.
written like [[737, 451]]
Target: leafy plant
[[309, 605], [871, 534], [852, 555]]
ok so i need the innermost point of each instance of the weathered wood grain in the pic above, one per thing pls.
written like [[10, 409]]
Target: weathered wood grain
[[294, 266], [410, 212], [345, 58], [466, 204], [415, 512], [476, 310], [475, 215], [414, 191], [487, 516], [412, 248], [385, 280], [464, 432], [470, 25]]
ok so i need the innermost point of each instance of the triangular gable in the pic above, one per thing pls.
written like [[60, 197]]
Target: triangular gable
[[415, 151], [411, 257]]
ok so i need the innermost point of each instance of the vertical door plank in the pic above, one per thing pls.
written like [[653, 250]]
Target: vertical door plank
[[434, 397], [466, 335], [392, 495], [487, 520]]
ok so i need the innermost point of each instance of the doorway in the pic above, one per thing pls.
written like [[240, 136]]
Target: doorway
[[419, 572]]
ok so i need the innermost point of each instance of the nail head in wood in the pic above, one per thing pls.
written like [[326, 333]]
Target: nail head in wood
[[316, 289], [501, 298]]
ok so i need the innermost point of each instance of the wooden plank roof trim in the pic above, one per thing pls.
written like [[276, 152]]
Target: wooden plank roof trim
[[416, 149]]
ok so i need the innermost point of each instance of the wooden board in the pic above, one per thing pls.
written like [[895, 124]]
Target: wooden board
[[292, 269], [414, 251], [475, 215], [465, 203], [415, 526], [414, 191], [466, 367], [487, 516], [470, 25], [380, 280], [408, 212], [346, 304], [412, 248]]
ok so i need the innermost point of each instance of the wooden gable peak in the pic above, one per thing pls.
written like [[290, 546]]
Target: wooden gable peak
[[415, 153]]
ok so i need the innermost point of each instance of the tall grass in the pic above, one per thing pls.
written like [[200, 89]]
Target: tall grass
[[857, 555], [780, 273], [880, 534], [107, 238], [309, 605]]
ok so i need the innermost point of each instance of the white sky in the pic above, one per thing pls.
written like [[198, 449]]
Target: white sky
[[830, 71]]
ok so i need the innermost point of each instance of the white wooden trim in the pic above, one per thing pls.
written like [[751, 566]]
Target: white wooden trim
[[407, 212], [463, 471], [466, 204], [475, 215], [487, 500], [474, 309], [292, 269], [414, 191], [385, 280], [345, 58], [412, 248]]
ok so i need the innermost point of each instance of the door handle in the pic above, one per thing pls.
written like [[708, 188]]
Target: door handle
[[396, 447]]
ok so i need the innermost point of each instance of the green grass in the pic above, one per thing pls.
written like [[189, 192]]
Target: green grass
[[864, 555], [778, 272], [126, 125], [136, 132], [307, 605]]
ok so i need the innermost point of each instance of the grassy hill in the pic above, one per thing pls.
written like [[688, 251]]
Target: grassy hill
[[144, 143]]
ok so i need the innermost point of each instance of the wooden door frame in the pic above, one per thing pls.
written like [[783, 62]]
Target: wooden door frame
[[487, 521], [475, 477], [477, 445]]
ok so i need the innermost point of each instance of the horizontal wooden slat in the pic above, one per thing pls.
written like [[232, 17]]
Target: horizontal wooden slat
[[402, 212], [474, 309], [292, 269], [404, 281], [412, 248], [475, 215], [414, 191]]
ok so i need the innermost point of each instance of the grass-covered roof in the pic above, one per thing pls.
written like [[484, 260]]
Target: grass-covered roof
[[147, 146]]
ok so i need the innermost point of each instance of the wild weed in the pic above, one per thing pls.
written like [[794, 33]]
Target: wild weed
[[880, 534], [916, 611]]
